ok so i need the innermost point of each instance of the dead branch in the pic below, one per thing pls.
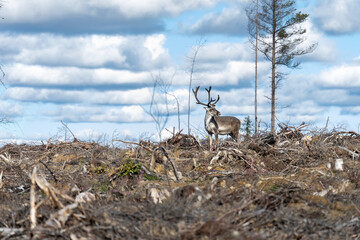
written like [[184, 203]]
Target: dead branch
[[286, 130], [326, 125], [173, 132], [152, 162], [139, 144], [51, 172], [348, 132], [66, 126], [352, 153], [5, 159], [51, 192], [6, 233], [244, 204], [33, 200], [48, 190], [59, 218], [1, 179]]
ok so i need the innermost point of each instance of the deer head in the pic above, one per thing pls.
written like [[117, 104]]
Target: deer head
[[211, 102], [216, 124]]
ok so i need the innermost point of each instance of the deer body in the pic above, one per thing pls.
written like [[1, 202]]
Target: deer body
[[216, 124], [220, 125]]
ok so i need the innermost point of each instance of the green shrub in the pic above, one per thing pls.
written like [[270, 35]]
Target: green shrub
[[129, 168]]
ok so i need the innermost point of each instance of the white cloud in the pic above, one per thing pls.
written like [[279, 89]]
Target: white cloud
[[224, 52], [135, 96], [325, 50], [351, 110], [338, 16], [231, 73], [122, 52], [231, 21], [336, 97], [41, 10], [132, 8], [76, 113], [221, 64], [305, 107], [155, 45], [10, 109], [6, 135], [346, 76], [89, 134], [37, 75]]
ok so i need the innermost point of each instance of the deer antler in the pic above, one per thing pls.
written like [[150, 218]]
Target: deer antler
[[211, 102], [195, 94]]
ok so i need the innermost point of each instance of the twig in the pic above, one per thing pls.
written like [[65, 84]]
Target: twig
[[59, 218], [51, 192], [243, 205], [326, 125], [354, 154], [152, 162], [349, 132], [1, 179], [5, 159], [7, 232], [139, 144], [65, 125], [52, 173], [33, 200], [357, 209]]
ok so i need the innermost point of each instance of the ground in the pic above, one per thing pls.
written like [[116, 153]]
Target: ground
[[283, 186]]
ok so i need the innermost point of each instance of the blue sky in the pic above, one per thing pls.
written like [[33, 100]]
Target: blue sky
[[92, 63]]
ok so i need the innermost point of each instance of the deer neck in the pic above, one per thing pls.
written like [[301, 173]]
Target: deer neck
[[208, 118]]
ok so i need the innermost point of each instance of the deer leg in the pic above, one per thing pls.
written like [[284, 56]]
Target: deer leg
[[216, 140], [234, 136], [210, 140]]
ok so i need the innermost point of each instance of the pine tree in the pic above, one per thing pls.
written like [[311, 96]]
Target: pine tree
[[279, 34]]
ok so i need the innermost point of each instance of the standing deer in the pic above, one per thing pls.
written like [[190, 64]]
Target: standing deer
[[216, 124]]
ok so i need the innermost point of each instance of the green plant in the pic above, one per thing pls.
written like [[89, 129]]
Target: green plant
[[102, 186], [248, 126], [99, 169], [274, 187], [129, 168], [151, 177]]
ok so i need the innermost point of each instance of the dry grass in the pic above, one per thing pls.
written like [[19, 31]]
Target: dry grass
[[287, 187]]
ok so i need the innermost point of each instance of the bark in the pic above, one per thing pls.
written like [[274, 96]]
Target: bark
[[256, 67], [273, 68]]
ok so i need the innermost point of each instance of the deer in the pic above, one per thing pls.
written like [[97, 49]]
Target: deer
[[216, 124]]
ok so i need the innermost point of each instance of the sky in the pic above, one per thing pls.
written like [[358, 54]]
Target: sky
[[92, 64]]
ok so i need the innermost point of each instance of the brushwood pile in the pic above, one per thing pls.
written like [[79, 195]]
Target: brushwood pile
[[289, 185]]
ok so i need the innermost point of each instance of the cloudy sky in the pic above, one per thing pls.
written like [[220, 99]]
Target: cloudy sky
[[92, 65]]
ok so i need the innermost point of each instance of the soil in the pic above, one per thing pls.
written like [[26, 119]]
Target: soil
[[292, 187]]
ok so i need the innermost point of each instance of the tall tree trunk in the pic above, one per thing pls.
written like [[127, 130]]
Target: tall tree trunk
[[256, 51], [273, 66]]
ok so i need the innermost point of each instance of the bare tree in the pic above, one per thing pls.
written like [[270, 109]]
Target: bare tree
[[276, 26], [3, 120], [192, 59], [159, 106], [178, 109], [256, 61]]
